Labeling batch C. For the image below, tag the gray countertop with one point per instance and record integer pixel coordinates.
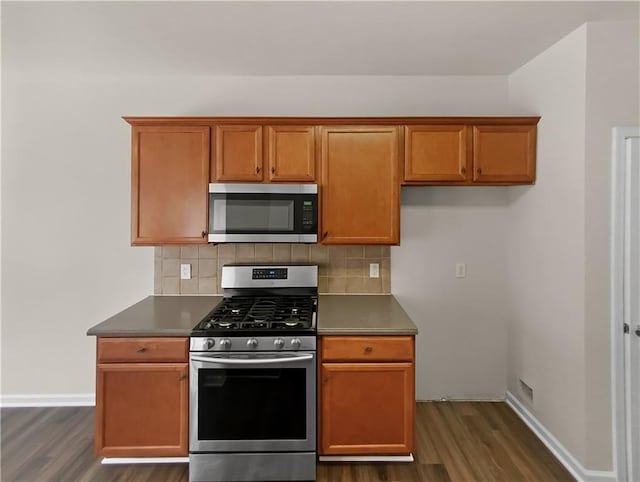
(337, 315)
(158, 316)
(363, 315)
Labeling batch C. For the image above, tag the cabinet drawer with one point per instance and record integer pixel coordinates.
(140, 350)
(367, 348)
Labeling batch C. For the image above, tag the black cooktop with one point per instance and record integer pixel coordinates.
(243, 315)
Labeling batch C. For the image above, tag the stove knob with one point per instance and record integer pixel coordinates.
(208, 343)
(252, 343)
(225, 343)
(296, 343)
(279, 343)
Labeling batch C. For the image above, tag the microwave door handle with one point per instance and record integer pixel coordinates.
(236, 361)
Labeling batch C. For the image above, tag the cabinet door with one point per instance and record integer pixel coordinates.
(291, 153)
(360, 190)
(142, 409)
(367, 408)
(436, 153)
(169, 184)
(238, 153)
(504, 154)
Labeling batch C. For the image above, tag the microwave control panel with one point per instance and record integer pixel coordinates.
(308, 215)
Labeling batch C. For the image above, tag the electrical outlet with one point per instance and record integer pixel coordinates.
(374, 270)
(185, 271)
(461, 270)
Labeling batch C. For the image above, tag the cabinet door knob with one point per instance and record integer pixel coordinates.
(479, 170)
(368, 349)
(257, 169)
(203, 234)
(273, 170)
(463, 170)
(325, 379)
(182, 377)
(637, 332)
(141, 350)
(325, 234)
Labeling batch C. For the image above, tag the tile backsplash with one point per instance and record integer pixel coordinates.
(341, 269)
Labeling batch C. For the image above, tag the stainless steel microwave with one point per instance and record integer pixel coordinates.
(263, 213)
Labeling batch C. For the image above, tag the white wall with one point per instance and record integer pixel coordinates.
(558, 258)
(67, 263)
(545, 244)
(461, 348)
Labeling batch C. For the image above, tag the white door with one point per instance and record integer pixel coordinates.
(632, 305)
(625, 301)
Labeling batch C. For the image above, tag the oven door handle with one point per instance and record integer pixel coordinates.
(237, 361)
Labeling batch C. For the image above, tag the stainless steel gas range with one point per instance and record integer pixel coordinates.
(253, 378)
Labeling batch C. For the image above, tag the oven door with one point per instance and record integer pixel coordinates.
(252, 402)
(263, 213)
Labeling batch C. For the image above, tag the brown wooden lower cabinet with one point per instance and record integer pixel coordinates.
(366, 407)
(142, 409)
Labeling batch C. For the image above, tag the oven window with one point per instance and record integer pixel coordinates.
(260, 215)
(252, 404)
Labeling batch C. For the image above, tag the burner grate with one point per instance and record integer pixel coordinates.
(261, 313)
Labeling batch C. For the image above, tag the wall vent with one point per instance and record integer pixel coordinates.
(527, 391)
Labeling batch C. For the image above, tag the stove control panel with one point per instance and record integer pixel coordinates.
(253, 343)
(269, 273)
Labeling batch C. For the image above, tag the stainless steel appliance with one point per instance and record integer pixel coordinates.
(252, 400)
(263, 213)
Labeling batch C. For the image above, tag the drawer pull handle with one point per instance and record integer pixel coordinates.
(141, 350)
(257, 169)
(368, 349)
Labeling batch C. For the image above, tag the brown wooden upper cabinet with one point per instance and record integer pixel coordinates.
(238, 153)
(291, 152)
(470, 154)
(436, 153)
(504, 153)
(169, 184)
(241, 149)
(360, 196)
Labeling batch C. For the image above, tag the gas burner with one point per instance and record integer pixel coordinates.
(223, 324)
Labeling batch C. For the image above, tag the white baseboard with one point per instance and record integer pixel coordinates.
(144, 460)
(52, 400)
(557, 449)
(366, 458)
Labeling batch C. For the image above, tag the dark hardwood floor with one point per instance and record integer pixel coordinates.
(455, 441)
